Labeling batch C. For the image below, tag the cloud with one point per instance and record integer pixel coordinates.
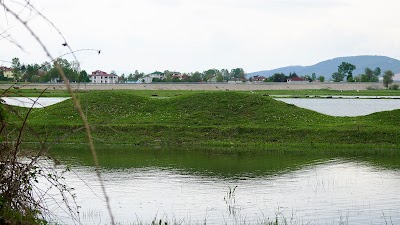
(191, 35)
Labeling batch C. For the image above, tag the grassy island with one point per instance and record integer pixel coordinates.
(213, 119)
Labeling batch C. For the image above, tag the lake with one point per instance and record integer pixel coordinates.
(192, 187)
(33, 102)
(187, 187)
(344, 106)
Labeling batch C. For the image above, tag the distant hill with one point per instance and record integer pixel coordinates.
(326, 68)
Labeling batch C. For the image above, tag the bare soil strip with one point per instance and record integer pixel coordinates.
(205, 86)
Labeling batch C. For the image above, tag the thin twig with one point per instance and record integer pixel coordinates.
(75, 100)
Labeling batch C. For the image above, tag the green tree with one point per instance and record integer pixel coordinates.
(368, 74)
(238, 73)
(387, 78)
(292, 75)
(377, 71)
(2, 77)
(321, 78)
(220, 78)
(344, 70)
(123, 78)
(278, 77)
(16, 67)
(211, 73)
(337, 77)
(307, 77)
(168, 76)
(31, 73)
(358, 78)
(54, 74)
(175, 79)
(196, 77)
(226, 75)
(137, 75)
(313, 76)
(83, 77)
(371, 75)
(130, 77)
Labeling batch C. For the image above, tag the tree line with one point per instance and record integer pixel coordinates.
(210, 75)
(46, 72)
(345, 72)
(281, 77)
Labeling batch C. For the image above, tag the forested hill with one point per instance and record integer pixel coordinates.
(326, 68)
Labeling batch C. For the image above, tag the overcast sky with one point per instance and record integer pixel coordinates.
(195, 35)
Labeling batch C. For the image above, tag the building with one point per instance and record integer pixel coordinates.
(147, 79)
(297, 80)
(101, 77)
(176, 75)
(8, 72)
(258, 78)
(157, 75)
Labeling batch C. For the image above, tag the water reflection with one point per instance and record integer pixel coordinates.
(192, 188)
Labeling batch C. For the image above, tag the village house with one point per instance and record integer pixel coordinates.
(150, 77)
(297, 80)
(258, 79)
(147, 79)
(176, 75)
(8, 72)
(157, 75)
(236, 81)
(101, 77)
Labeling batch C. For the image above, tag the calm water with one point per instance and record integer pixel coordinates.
(345, 106)
(33, 102)
(190, 188)
(300, 189)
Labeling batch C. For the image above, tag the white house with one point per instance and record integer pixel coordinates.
(8, 72)
(157, 75)
(100, 77)
(147, 79)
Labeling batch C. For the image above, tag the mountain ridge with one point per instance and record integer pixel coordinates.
(327, 67)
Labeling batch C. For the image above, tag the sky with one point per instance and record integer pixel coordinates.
(196, 35)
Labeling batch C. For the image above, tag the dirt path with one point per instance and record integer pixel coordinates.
(205, 86)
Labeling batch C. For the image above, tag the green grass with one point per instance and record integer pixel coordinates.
(19, 92)
(209, 119)
(297, 93)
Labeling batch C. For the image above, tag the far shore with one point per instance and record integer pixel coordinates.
(204, 86)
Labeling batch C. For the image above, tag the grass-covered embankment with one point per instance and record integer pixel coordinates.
(209, 119)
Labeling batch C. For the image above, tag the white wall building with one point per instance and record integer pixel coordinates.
(100, 77)
(8, 72)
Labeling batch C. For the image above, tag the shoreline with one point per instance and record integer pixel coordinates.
(204, 86)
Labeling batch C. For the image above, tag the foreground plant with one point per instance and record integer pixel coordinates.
(25, 183)
(25, 5)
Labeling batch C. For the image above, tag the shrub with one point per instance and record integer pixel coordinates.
(394, 86)
(371, 88)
